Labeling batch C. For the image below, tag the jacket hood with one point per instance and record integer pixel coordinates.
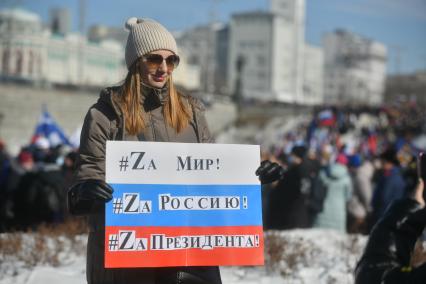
(336, 171)
(106, 96)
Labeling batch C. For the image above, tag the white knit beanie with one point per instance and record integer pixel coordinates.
(145, 36)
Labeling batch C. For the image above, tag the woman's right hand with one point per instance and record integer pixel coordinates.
(85, 197)
(95, 190)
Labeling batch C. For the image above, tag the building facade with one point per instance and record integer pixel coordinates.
(30, 53)
(187, 75)
(22, 48)
(402, 88)
(313, 75)
(60, 21)
(354, 69)
(266, 52)
(205, 48)
(99, 33)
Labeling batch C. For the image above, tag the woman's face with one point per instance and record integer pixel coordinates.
(157, 66)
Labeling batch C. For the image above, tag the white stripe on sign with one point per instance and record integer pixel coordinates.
(133, 162)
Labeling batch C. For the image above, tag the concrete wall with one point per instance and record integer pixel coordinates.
(21, 106)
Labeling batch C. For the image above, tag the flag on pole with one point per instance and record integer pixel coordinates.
(326, 118)
(50, 130)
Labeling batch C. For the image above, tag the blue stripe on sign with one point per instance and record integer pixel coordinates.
(220, 198)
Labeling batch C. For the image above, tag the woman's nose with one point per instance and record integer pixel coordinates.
(163, 66)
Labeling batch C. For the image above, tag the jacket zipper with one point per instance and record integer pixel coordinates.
(154, 137)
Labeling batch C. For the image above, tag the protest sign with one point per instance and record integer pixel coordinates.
(182, 204)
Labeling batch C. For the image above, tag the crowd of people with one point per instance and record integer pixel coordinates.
(340, 171)
(343, 168)
(329, 181)
(332, 172)
(33, 184)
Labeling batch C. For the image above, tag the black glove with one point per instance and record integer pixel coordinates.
(88, 197)
(269, 172)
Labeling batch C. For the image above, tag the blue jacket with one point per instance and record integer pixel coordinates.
(390, 187)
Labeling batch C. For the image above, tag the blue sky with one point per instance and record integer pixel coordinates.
(396, 23)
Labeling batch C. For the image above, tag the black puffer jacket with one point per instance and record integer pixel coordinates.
(387, 256)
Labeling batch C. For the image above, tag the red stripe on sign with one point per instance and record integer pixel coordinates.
(183, 246)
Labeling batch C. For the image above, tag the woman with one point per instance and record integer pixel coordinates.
(335, 178)
(146, 107)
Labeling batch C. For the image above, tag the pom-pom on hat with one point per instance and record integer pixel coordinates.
(145, 36)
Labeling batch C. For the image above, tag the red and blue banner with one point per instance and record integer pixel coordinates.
(179, 204)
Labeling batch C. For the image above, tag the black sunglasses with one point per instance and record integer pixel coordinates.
(155, 60)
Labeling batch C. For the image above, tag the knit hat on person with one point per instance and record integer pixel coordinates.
(25, 157)
(145, 36)
(342, 159)
(390, 155)
(299, 151)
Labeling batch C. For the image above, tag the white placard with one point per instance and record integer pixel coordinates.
(130, 162)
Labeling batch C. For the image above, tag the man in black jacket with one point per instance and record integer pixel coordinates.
(387, 256)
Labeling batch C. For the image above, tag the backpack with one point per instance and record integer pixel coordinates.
(317, 195)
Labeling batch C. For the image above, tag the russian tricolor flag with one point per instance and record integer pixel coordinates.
(49, 129)
(326, 118)
(180, 204)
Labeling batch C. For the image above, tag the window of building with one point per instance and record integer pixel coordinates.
(5, 63)
(31, 63)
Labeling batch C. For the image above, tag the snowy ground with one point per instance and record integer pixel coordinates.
(299, 256)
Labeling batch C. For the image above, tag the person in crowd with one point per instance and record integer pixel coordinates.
(33, 193)
(67, 172)
(41, 150)
(365, 182)
(26, 161)
(68, 168)
(268, 188)
(390, 184)
(5, 168)
(17, 168)
(359, 205)
(335, 178)
(387, 256)
(146, 107)
(288, 200)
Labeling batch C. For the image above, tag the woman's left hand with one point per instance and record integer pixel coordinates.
(269, 172)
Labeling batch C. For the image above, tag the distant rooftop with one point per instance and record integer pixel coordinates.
(20, 14)
(251, 14)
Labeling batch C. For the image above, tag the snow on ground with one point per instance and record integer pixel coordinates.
(297, 256)
(313, 256)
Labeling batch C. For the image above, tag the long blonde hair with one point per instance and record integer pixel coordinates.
(177, 114)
